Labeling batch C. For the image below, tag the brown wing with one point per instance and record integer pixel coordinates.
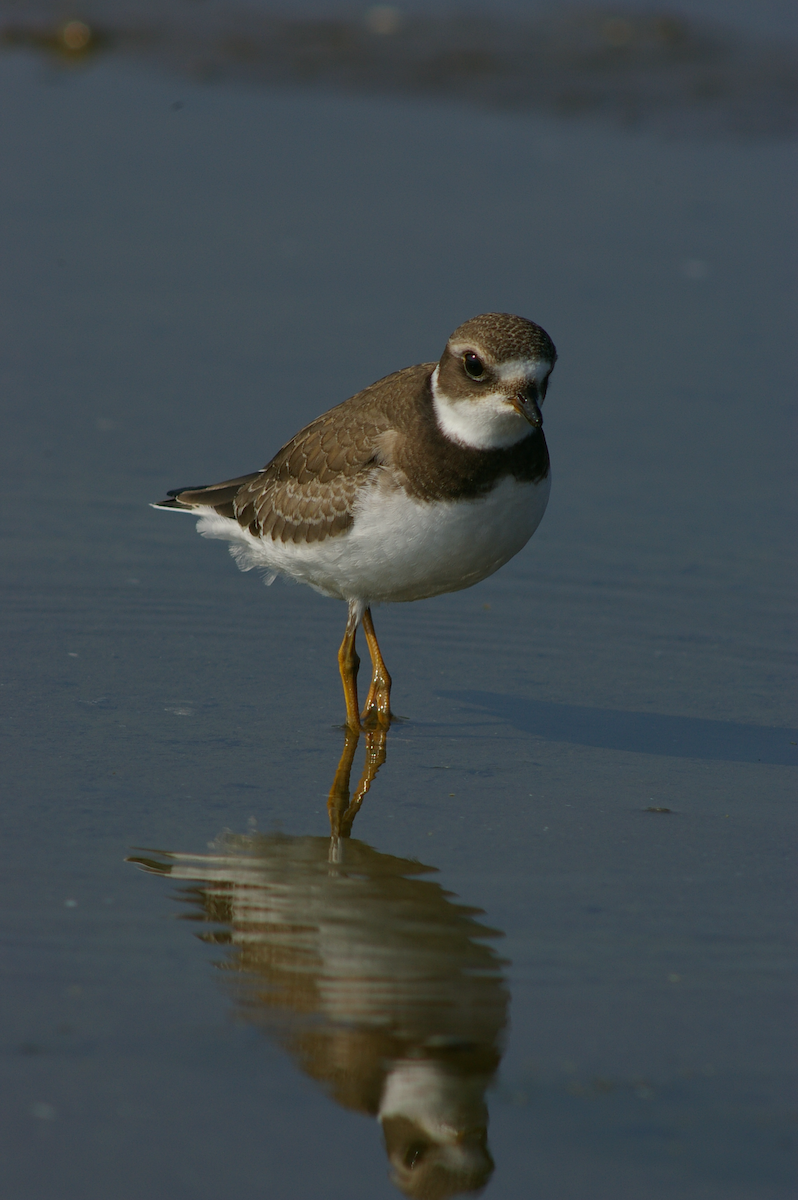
(307, 492)
(218, 495)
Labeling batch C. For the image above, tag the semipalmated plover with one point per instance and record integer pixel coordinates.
(425, 482)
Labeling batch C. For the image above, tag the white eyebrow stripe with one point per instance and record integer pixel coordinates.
(526, 369)
(523, 368)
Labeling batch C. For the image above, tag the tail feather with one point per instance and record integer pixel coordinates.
(218, 496)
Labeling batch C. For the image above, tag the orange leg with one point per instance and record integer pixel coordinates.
(377, 710)
(348, 664)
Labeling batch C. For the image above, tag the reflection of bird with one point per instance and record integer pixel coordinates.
(426, 482)
(377, 982)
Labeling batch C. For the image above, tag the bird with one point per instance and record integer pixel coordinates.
(425, 482)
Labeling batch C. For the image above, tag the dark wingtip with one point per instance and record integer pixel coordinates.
(215, 495)
(176, 491)
(173, 499)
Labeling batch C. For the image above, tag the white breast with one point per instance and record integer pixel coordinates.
(398, 548)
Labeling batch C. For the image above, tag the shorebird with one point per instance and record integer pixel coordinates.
(425, 482)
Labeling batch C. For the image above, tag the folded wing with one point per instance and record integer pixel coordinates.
(307, 492)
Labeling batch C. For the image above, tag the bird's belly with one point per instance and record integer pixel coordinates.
(401, 549)
(406, 549)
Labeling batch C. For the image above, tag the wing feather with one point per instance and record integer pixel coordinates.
(308, 491)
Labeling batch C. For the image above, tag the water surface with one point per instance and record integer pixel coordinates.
(599, 754)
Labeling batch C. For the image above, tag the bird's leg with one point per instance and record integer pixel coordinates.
(348, 663)
(377, 710)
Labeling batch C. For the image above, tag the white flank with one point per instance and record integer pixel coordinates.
(399, 549)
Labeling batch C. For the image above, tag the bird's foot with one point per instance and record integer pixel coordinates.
(377, 713)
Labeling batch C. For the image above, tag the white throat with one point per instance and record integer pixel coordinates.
(488, 423)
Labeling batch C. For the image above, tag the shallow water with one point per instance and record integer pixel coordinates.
(566, 894)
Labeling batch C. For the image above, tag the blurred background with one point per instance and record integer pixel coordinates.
(552, 960)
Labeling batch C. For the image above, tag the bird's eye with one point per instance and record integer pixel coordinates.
(474, 365)
(414, 1153)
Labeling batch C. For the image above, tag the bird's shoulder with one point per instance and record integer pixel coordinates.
(349, 437)
(308, 490)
